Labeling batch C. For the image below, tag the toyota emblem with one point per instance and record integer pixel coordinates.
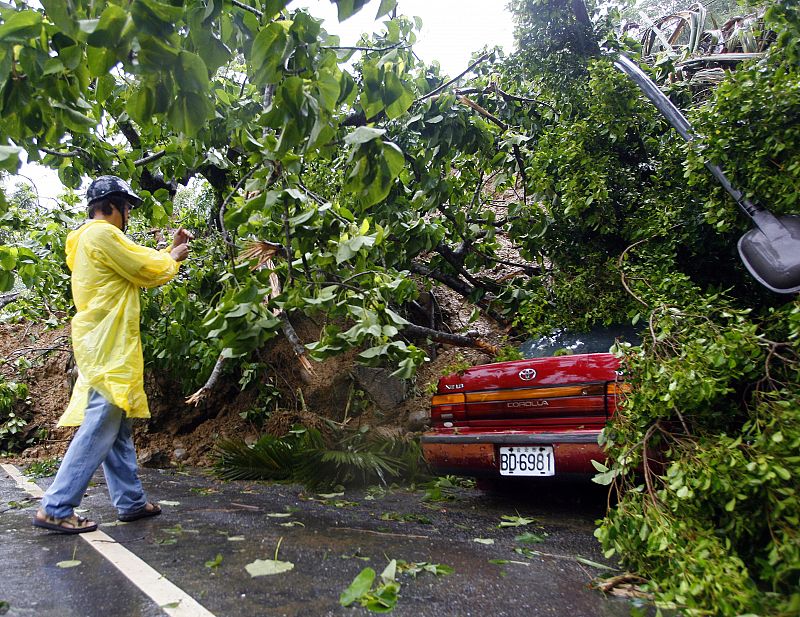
(527, 374)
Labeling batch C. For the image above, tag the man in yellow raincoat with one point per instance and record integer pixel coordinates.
(108, 269)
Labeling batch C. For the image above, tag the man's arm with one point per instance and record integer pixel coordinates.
(142, 266)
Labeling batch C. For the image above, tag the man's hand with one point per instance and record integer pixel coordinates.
(180, 252)
(182, 236)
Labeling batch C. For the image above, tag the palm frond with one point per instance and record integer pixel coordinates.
(304, 456)
(270, 458)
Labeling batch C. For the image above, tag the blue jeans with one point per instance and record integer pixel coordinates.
(103, 438)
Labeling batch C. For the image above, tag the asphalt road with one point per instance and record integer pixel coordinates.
(211, 530)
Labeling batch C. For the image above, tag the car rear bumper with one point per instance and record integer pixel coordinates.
(477, 454)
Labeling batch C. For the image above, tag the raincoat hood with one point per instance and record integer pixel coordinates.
(108, 270)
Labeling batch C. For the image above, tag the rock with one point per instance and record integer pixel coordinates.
(180, 454)
(418, 420)
(154, 458)
(386, 391)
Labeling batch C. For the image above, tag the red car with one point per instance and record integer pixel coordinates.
(536, 417)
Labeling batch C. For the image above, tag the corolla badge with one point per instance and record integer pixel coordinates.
(527, 374)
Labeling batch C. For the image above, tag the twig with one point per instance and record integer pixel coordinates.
(646, 465)
(77, 152)
(380, 533)
(470, 103)
(452, 81)
(510, 97)
(622, 273)
(224, 206)
(149, 159)
(357, 48)
(247, 7)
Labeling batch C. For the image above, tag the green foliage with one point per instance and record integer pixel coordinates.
(304, 456)
(765, 158)
(508, 353)
(719, 398)
(381, 595)
(632, 227)
(32, 256)
(12, 419)
(43, 469)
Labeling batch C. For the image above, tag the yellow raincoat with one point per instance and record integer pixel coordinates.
(107, 271)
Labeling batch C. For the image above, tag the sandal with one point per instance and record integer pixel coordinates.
(70, 524)
(148, 509)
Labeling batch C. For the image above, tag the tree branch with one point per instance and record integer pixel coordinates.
(77, 152)
(452, 81)
(470, 103)
(469, 340)
(247, 7)
(149, 159)
(210, 385)
(8, 299)
(459, 287)
(356, 48)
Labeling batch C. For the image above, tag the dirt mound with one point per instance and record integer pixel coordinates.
(181, 434)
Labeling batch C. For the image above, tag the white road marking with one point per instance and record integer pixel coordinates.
(172, 599)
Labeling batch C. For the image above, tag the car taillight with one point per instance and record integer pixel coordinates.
(614, 390)
(617, 387)
(447, 407)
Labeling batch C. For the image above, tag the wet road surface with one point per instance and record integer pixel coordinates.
(329, 539)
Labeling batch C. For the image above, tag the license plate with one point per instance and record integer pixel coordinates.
(527, 461)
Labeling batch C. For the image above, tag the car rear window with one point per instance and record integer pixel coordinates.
(599, 340)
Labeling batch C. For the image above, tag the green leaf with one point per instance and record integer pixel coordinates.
(141, 104)
(74, 119)
(363, 134)
(394, 159)
(52, 66)
(270, 48)
(69, 563)
(214, 563)
(361, 584)
(397, 98)
(8, 257)
(386, 7)
(6, 280)
(100, 60)
(389, 572)
(157, 54)
(347, 8)
(515, 521)
(191, 73)
(71, 56)
(268, 567)
(155, 18)
(9, 158)
(20, 27)
(189, 112)
(58, 12)
(109, 28)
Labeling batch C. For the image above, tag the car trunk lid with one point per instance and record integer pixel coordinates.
(563, 392)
